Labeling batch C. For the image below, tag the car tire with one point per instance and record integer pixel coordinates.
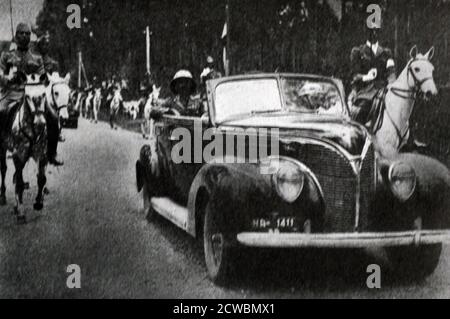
(413, 263)
(220, 255)
(148, 208)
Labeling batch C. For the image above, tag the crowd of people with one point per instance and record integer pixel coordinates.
(113, 96)
(373, 68)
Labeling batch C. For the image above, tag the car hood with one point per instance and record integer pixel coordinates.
(336, 130)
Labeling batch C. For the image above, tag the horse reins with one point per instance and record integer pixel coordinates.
(417, 83)
(52, 93)
(40, 112)
(412, 96)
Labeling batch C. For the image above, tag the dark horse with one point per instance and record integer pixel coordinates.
(28, 137)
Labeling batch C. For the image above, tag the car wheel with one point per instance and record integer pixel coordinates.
(148, 209)
(413, 263)
(218, 249)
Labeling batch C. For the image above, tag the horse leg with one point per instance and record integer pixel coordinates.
(111, 119)
(41, 180)
(96, 114)
(20, 187)
(3, 169)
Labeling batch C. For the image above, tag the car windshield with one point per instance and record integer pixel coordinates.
(253, 96)
(307, 96)
(235, 99)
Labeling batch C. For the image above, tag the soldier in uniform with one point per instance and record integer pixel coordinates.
(53, 127)
(209, 72)
(373, 68)
(14, 66)
(183, 87)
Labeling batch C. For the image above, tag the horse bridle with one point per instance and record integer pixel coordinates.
(52, 93)
(34, 113)
(411, 95)
(38, 112)
(417, 83)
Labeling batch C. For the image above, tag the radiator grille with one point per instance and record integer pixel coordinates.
(367, 188)
(340, 185)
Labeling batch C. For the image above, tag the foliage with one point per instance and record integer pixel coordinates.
(266, 35)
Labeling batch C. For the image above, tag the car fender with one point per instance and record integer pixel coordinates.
(231, 187)
(432, 194)
(143, 167)
(220, 183)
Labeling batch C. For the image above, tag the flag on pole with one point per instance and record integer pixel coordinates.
(226, 64)
(225, 31)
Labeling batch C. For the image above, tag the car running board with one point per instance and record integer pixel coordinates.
(170, 210)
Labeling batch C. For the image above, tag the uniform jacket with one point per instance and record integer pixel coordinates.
(175, 106)
(363, 59)
(24, 61)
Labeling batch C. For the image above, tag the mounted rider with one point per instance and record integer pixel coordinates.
(183, 103)
(14, 66)
(373, 68)
(51, 115)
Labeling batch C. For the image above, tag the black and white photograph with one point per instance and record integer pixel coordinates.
(240, 150)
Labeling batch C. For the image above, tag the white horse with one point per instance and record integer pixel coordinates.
(96, 104)
(28, 137)
(153, 100)
(88, 105)
(131, 108)
(392, 128)
(114, 107)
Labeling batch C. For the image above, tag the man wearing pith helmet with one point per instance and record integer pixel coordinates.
(43, 48)
(51, 116)
(183, 87)
(14, 66)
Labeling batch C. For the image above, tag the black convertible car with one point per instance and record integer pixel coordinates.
(294, 172)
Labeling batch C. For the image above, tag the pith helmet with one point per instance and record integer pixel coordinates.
(23, 27)
(183, 75)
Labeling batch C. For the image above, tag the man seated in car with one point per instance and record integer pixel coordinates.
(183, 103)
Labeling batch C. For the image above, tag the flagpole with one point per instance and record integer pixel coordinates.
(228, 46)
(79, 70)
(11, 18)
(148, 48)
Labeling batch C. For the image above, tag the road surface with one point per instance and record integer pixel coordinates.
(93, 218)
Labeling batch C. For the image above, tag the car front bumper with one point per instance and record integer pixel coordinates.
(350, 240)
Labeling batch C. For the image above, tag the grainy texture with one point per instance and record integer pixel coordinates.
(93, 218)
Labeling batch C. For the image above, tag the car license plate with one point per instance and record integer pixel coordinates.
(279, 223)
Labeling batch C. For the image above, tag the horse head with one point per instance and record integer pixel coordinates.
(420, 73)
(34, 98)
(58, 93)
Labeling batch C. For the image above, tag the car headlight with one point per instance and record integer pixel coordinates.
(402, 179)
(288, 179)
